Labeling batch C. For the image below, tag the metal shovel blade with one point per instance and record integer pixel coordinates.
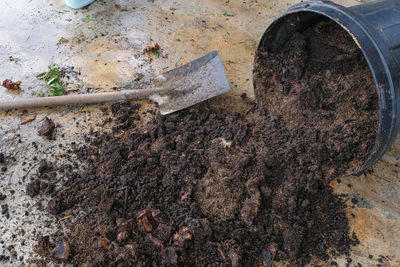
(191, 83)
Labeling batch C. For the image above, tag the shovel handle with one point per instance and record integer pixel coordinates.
(77, 99)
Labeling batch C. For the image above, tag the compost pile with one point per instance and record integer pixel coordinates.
(208, 186)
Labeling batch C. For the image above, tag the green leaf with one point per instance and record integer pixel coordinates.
(87, 18)
(41, 76)
(54, 80)
(40, 93)
(58, 90)
(226, 14)
(155, 52)
(53, 73)
(227, 2)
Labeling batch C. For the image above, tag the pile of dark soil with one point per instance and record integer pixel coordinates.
(206, 186)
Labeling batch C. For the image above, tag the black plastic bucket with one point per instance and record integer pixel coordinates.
(375, 27)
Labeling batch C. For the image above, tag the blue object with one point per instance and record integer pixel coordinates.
(76, 4)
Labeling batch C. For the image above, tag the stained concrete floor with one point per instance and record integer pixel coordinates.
(107, 51)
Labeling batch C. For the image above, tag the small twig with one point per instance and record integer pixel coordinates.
(176, 64)
(182, 215)
(209, 204)
(122, 188)
(54, 169)
(30, 169)
(66, 217)
(30, 207)
(13, 154)
(125, 200)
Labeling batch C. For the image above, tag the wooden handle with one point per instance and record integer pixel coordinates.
(77, 99)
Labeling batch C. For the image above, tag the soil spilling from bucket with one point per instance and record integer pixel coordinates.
(321, 88)
(208, 186)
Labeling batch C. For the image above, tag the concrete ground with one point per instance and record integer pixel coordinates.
(105, 50)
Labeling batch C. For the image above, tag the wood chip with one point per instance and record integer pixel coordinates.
(26, 119)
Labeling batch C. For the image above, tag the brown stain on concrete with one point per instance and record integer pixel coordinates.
(99, 66)
(375, 218)
(378, 235)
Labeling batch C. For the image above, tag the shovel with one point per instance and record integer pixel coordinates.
(173, 90)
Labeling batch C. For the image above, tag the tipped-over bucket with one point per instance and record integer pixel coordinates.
(375, 27)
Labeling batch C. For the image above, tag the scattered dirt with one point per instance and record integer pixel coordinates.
(152, 50)
(5, 210)
(208, 186)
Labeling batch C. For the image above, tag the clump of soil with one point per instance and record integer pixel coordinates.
(208, 186)
(47, 127)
